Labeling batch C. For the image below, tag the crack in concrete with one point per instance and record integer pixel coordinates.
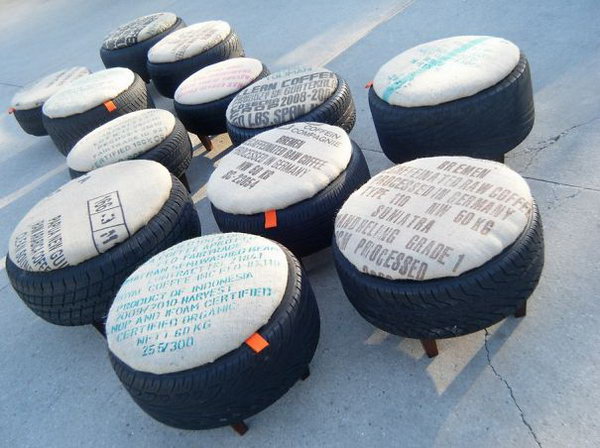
(561, 184)
(372, 150)
(544, 144)
(510, 391)
(7, 84)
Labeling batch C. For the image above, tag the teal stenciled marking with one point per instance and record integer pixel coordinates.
(397, 84)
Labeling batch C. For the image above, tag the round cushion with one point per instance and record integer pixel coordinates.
(218, 81)
(281, 97)
(432, 218)
(445, 70)
(189, 41)
(196, 302)
(35, 94)
(139, 30)
(123, 138)
(88, 92)
(89, 215)
(279, 167)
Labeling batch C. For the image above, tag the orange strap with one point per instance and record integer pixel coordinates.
(257, 343)
(270, 219)
(110, 106)
(11, 110)
(369, 85)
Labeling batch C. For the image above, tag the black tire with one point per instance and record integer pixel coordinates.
(307, 226)
(30, 121)
(136, 56)
(65, 132)
(174, 152)
(196, 399)
(209, 118)
(82, 294)
(453, 306)
(485, 125)
(167, 76)
(338, 110)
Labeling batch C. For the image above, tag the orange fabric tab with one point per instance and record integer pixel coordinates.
(270, 219)
(369, 85)
(110, 106)
(11, 110)
(257, 343)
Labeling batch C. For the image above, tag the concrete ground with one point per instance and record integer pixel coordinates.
(522, 383)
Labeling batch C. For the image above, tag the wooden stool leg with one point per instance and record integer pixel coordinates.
(206, 142)
(101, 327)
(430, 347)
(306, 374)
(522, 310)
(185, 182)
(241, 428)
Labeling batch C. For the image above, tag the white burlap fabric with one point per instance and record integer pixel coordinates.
(433, 217)
(196, 302)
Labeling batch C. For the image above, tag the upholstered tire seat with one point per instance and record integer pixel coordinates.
(150, 134)
(71, 253)
(466, 95)
(201, 100)
(89, 102)
(28, 101)
(213, 330)
(184, 52)
(128, 45)
(287, 184)
(294, 95)
(439, 247)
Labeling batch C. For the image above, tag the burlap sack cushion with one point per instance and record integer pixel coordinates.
(35, 94)
(433, 218)
(189, 41)
(123, 138)
(281, 97)
(89, 215)
(218, 81)
(88, 92)
(279, 167)
(196, 301)
(445, 70)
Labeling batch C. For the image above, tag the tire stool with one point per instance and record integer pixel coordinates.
(287, 184)
(184, 52)
(201, 100)
(439, 247)
(150, 134)
(128, 45)
(289, 96)
(465, 95)
(89, 102)
(70, 254)
(28, 101)
(213, 330)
